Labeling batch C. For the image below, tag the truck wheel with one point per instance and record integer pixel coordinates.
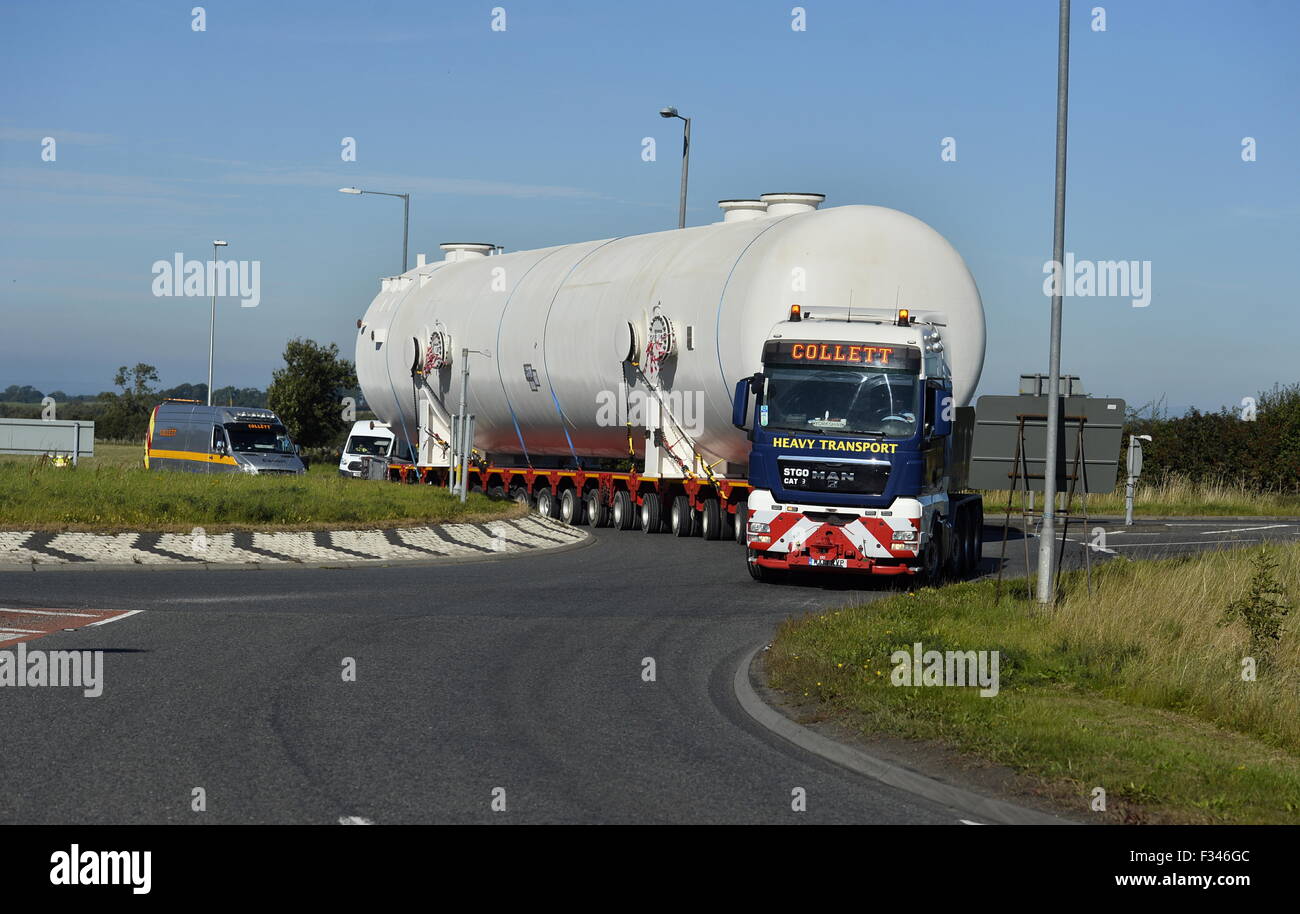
(683, 518)
(955, 540)
(547, 506)
(651, 514)
(520, 495)
(932, 556)
(597, 510)
(711, 520)
(741, 523)
(977, 538)
(624, 510)
(759, 573)
(571, 508)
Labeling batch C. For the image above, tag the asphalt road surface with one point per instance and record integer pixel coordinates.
(519, 680)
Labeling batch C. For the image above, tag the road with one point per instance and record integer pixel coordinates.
(519, 679)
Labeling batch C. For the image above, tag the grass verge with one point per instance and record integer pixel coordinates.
(1137, 690)
(1178, 496)
(113, 493)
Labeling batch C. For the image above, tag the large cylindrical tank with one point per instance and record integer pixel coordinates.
(555, 326)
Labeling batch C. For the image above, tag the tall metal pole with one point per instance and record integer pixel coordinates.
(1047, 534)
(686, 168)
(461, 459)
(212, 317)
(406, 226)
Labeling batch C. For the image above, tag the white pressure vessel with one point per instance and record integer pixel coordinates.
(553, 329)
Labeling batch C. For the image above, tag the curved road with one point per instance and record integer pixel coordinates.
(523, 674)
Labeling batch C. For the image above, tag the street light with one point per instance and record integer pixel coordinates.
(1047, 533)
(406, 213)
(686, 161)
(212, 318)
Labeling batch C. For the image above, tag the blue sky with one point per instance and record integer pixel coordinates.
(168, 138)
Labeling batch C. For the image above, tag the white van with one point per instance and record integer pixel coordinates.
(371, 439)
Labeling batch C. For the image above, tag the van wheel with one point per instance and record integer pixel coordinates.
(571, 508)
(597, 510)
(651, 519)
(683, 518)
(547, 505)
(711, 520)
(624, 514)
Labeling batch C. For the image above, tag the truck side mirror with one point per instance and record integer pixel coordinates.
(740, 404)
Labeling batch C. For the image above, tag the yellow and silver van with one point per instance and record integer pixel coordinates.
(185, 435)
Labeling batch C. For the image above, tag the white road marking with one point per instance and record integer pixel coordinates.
(49, 612)
(23, 631)
(1244, 529)
(354, 820)
(129, 612)
(969, 822)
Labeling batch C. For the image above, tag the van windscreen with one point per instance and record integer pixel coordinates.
(259, 438)
(369, 445)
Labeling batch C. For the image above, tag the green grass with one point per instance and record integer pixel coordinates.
(1136, 690)
(1179, 497)
(112, 492)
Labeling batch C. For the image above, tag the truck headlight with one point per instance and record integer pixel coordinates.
(904, 536)
(756, 527)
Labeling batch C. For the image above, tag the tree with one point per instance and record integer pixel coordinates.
(126, 413)
(306, 393)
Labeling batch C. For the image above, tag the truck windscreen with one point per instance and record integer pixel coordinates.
(259, 438)
(840, 400)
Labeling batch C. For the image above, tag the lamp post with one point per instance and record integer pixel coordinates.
(686, 161)
(406, 213)
(212, 318)
(1046, 553)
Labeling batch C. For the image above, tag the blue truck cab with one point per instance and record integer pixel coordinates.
(856, 461)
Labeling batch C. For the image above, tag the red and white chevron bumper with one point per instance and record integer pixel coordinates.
(879, 542)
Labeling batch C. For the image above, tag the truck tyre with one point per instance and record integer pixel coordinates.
(547, 505)
(520, 495)
(759, 573)
(624, 510)
(683, 517)
(651, 513)
(740, 523)
(711, 520)
(597, 510)
(571, 508)
(977, 537)
(955, 541)
(932, 556)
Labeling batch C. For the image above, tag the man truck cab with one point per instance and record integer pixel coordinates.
(853, 464)
(185, 435)
(371, 442)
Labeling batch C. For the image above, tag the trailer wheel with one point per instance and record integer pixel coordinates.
(571, 508)
(710, 520)
(519, 495)
(624, 513)
(597, 510)
(651, 513)
(496, 492)
(683, 517)
(547, 506)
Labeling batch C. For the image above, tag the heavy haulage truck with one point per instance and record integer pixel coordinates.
(791, 376)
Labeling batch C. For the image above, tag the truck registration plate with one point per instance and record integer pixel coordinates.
(829, 563)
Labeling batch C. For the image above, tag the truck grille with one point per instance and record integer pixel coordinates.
(833, 476)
